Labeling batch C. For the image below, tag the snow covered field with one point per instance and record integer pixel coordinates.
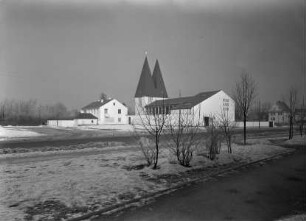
(16, 132)
(68, 187)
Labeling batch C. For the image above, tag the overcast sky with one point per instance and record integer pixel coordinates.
(71, 50)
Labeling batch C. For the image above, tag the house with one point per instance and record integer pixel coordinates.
(151, 98)
(108, 111)
(279, 113)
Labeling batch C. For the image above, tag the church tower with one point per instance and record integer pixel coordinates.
(158, 81)
(149, 88)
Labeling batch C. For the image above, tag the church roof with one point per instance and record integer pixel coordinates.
(158, 81)
(183, 102)
(145, 85)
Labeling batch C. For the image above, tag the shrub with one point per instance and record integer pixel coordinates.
(147, 149)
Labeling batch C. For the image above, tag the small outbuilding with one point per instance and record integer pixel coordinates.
(85, 119)
(80, 119)
(67, 122)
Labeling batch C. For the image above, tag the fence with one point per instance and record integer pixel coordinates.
(254, 124)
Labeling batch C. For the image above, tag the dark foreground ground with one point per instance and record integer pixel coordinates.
(261, 192)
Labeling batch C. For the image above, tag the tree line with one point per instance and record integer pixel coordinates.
(30, 112)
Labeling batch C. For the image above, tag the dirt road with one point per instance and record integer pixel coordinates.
(262, 192)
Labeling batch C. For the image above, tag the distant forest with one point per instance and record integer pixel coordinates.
(30, 113)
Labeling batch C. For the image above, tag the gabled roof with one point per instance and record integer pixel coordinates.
(85, 116)
(96, 104)
(207, 94)
(183, 102)
(145, 85)
(159, 82)
(280, 106)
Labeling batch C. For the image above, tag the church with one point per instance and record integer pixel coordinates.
(151, 98)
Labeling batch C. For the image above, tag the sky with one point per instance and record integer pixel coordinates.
(70, 51)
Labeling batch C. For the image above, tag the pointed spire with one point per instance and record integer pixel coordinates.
(160, 89)
(145, 85)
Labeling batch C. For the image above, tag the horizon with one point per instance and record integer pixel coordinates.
(71, 51)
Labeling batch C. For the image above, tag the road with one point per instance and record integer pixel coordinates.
(264, 192)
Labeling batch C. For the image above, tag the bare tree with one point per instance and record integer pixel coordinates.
(3, 108)
(292, 109)
(261, 111)
(153, 121)
(213, 141)
(147, 150)
(29, 112)
(302, 116)
(227, 125)
(103, 96)
(183, 134)
(244, 95)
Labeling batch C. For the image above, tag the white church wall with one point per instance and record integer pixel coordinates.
(141, 102)
(216, 104)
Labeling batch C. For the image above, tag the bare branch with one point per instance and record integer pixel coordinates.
(244, 95)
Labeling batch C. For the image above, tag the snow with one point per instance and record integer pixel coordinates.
(119, 127)
(19, 152)
(16, 132)
(297, 140)
(102, 179)
(299, 217)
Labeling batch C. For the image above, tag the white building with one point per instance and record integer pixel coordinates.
(109, 111)
(202, 107)
(151, 98)
(80, 119)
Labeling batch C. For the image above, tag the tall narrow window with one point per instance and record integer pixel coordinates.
(105, 111)
(119, 111)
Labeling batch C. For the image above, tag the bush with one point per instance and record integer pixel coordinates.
(147, 149)
(213, 142)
